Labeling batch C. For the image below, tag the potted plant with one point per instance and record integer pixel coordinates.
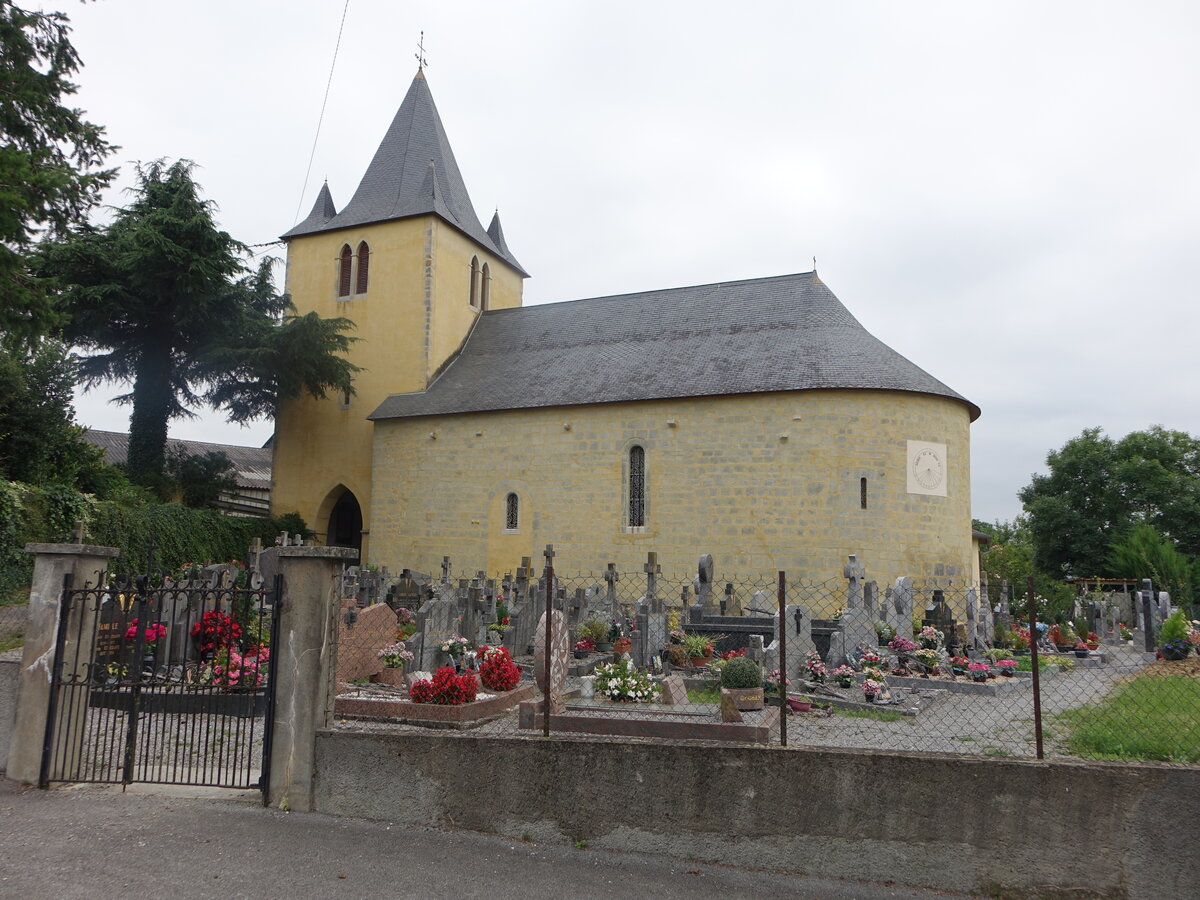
(872, 690)
(583, 647)
(1081, 650)
(979, 671)
(929, 637)
(1007, 667)
(928, 658)
(1093, 641)
(394, 657)
(744, 681)
(815, 666)
(497, 671)
(622, 645)
(1018, 639)
(1126, 634)
(446, 688)
(771, 685)
(884, 633)
(1174, 637)
(155, 631)
(455, 648)
(622, 682)
(698, 648)
(593, 630)
(843, 675)
(958, 665)
(901, 644)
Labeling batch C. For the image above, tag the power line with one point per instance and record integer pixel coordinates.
(321, 117)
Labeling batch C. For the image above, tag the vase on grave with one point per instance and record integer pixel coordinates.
(604, 646)
(393, 676)
(747, 699)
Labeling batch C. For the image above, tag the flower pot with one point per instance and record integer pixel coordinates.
(747, 698)
(699, 662)
(980, 676)
(391, 676)
(799, 705)
(1093, 645)
(1081, 654)
(581, 654)
(1174, 654)
(604, 647)
(1007, 673)
(844, 682)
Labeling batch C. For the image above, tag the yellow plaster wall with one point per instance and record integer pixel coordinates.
(721, 480)
(416, 312)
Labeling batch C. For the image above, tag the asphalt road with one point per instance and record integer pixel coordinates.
(95, 841)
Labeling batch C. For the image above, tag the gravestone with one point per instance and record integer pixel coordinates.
(761, 604)
(652, 570)
(674, 692)
(704, 593)
(654, 626)
(732, 604)
(858, 626)
(611, 577)
(596, 603)
(939, 615)
(799, 641)
(729, 710)
(440, 618)
(871, 600)
(552, 690)
(359, 643)
(900, 610)
(1162, 610)
(756, 649)
(973, 640)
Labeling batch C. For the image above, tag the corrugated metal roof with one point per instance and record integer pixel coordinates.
(787, 333)
(252, 465)
(413, 172)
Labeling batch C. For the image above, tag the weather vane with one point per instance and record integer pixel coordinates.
(422, 62)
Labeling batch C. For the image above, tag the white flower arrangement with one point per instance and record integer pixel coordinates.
(621, 681)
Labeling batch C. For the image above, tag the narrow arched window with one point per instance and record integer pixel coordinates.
(512, 512)
(364, 259)
(862, 492)
(637, 487)
(485, 288)
(474, 299)
(345, 264)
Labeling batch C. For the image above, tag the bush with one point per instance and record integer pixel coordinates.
(741, 672)
(1175, 628)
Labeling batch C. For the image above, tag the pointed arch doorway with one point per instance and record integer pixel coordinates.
(345, 524)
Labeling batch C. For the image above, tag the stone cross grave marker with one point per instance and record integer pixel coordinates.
(552, 691)
(799, 640)
(611, 577)
(871, 600)
(652, 570)
(445, 570)
(854, 574)
(973, 639)
(900, 610)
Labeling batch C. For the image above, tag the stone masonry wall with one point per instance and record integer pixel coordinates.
(722, 478)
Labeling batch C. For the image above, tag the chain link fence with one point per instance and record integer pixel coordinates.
(646, 656)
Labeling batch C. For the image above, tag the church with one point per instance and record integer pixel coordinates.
(755, 420)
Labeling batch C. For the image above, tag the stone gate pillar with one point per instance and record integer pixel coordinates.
(306, 660)
(86, 565)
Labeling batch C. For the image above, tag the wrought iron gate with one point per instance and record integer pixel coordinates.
(164, 680)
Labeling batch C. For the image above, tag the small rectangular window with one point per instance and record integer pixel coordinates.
(862, 492)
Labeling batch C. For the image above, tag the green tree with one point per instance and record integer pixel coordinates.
(162, 297)
(50, 156)
(39, 440)
(201, 478)
(1144, 553)
(1098, 489)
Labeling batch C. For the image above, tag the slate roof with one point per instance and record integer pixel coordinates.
(252, 465)
(413, 173)
(787, 333)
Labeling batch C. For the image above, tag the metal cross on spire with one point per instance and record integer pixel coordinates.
(422, 62)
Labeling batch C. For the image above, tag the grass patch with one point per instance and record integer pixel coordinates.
(704, 695)
(11, 642)
(1145, 719)
(879, 715)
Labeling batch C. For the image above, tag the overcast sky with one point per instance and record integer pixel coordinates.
(1006, 193)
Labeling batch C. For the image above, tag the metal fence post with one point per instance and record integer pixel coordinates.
(781, 686)
(546, 704)
(1033, 655)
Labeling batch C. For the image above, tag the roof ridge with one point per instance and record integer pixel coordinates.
(688, 287)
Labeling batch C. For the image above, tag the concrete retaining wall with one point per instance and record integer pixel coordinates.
(9, 670)
(1015, 828)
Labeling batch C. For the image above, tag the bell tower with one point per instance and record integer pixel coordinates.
(408, 262)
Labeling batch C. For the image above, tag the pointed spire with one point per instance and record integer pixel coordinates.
(323, 210)
(412, 173)
(496, 233)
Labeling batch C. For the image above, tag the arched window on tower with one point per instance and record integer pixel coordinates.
(474, 297)
(485, 288)
(345, 264)
(364, 258)
(637, 487)
(512, 513)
